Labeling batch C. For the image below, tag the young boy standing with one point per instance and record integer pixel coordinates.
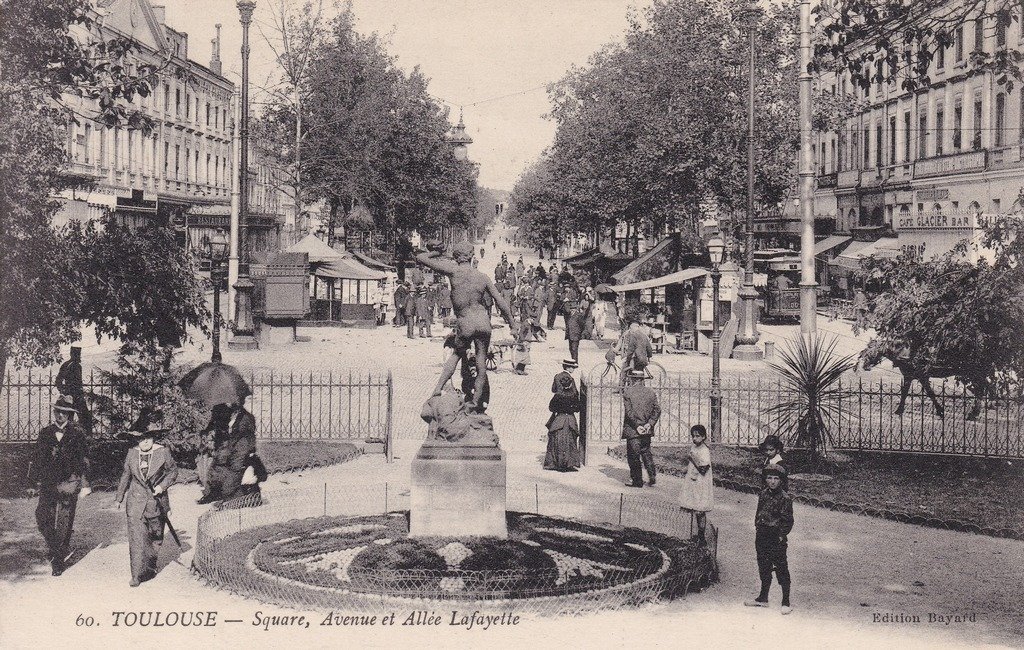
(773, 521)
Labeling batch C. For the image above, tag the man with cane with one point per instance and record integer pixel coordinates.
(58, 465)
(149, 470)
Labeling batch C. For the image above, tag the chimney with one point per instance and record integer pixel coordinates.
(160, 11)
(215, 62)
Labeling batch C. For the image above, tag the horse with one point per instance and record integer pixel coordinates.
(910, 372)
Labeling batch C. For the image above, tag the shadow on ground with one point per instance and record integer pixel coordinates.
(22, 549)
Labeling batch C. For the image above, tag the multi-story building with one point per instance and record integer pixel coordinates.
(185, 161)
(926, 165)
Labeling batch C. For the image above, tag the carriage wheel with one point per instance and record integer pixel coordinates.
(492, 363)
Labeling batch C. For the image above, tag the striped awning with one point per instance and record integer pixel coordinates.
(672, 278)
(829, 243)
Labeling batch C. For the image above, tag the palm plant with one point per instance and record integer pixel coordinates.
(811, 369)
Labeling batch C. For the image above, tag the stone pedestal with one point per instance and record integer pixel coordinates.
(277, 331)
(458, 491)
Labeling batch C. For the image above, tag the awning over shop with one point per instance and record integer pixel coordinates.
(580, 259)
(317, 249)
(850, 259)
(346, 268)
(372, 263)
(102, 199)
(672, 278)
(829, 243)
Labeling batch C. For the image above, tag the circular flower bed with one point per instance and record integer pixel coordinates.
(373, 558)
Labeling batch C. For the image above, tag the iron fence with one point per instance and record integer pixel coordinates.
(866, 415)
(292, 406)
(226, 540)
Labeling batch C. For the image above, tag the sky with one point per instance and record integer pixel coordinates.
(471, 50)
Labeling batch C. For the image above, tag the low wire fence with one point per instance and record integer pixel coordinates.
(226, 541)
(306, 406)
(867, 417)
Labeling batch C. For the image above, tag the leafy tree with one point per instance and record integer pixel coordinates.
(294, 37)
(153, 294)
(375, 138)
(652, 128)
(144, 382)
(536, 205)
(883, 40)
(950, 314)
(44, 66)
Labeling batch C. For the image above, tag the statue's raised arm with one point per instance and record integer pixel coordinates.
(432, 259)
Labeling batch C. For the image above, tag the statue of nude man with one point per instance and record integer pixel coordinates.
(472, 322)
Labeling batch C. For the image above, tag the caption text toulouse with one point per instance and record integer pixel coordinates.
(476, 619)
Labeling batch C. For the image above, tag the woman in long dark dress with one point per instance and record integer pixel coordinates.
(563, 429)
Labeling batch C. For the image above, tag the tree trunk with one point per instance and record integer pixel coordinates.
(299, 222)
(332, 219)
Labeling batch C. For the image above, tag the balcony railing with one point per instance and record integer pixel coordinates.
(952, 164)
(826, 180)
(871, 178)
(848, 178)
(1006, 156)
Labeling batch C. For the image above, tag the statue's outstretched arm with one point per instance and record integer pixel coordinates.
(433, 260)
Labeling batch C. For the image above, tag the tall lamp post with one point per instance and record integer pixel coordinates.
(716, 250)
(217, 249)
(747, 335)
(808, 284)
(244, 327)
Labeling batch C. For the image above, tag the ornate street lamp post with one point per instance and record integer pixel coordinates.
(716, 250)
(217, 249)
(244, 327)
(747, 335)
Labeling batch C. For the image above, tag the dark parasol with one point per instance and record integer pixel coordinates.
(215, 383)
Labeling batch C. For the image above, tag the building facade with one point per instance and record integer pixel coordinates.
(926, 166)
(185, 161)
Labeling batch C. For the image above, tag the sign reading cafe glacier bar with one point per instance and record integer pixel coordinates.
(934, 220)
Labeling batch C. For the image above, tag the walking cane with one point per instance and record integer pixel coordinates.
(164, 518)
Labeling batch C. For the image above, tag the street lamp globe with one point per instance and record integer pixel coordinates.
(460, 140)
(217, 245)
(716, 250)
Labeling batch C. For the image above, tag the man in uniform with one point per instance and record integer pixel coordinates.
(640, 411)
(401, 296)
(473, 323)
(69, 382)
(410, 313)
(424, 312)
(58, 465)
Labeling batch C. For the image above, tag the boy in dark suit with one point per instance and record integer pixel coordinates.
(773, 522)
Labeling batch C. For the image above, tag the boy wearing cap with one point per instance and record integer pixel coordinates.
(772, 450)
(773, 522)
(58, 466)
(148, 471)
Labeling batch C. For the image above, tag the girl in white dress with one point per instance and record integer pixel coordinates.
(698, 494)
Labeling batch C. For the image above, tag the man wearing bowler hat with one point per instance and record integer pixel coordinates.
(641, 411)
(148, 471)
(58, 466)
